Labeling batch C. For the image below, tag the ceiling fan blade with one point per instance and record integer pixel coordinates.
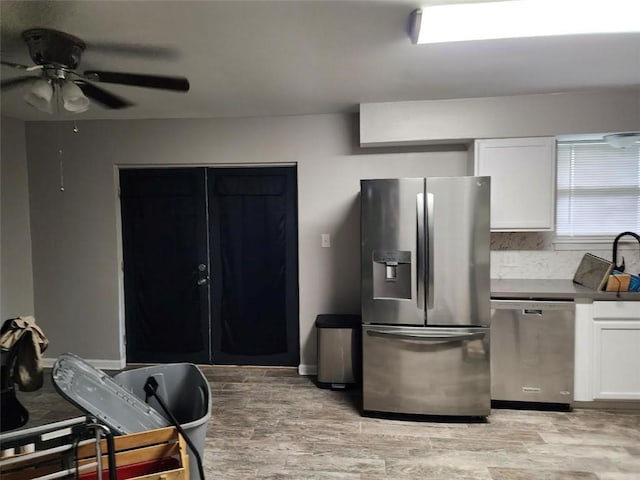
(138, 50)
(102, 96)
(15, 65)
(180, 84)
(14, 82)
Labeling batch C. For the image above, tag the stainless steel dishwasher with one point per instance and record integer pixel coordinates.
(532, 351)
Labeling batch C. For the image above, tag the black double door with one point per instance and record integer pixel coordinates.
(210, 265)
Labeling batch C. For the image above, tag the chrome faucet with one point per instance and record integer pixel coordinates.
(621, 267)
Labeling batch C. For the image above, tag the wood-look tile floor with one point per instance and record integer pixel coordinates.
(270, 423)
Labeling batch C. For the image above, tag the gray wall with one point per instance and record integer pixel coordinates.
(435, 121)
(76, 237)
(16, 276)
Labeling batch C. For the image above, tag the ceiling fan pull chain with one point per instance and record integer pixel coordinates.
(57, 93)
(61, 170)
(61, 158)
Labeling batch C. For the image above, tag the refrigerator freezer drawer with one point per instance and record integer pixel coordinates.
(426, 371)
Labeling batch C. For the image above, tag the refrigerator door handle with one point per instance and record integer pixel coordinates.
(420, 259)
(446, 338)
(430, 284)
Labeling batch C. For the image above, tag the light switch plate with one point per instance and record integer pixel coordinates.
(325, 240)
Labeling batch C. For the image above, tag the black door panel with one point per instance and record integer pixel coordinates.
(164, 242)
(254, 257)
(210, 265)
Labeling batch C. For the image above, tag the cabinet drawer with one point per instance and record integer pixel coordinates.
(616, 310)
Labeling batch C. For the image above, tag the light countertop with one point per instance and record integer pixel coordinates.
(552, 289)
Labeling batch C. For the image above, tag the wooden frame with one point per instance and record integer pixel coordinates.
(159, 454)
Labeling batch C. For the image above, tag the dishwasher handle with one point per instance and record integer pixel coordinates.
(446, 338)
(533, 307)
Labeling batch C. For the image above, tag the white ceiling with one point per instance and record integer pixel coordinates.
(254, 58)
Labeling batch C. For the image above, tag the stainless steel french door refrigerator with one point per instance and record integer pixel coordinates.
(425, 295)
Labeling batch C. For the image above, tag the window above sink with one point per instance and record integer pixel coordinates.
(598, 191)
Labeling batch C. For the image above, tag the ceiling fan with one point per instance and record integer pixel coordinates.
(56, 56)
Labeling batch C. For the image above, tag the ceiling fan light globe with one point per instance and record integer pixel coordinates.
(78, 106)
(40, 95)
(73, 100)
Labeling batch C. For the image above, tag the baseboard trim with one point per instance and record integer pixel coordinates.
(609, 404)
(97, 363)
(303, 369)
(307, 369)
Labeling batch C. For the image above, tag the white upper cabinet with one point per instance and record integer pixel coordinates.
(523, 182)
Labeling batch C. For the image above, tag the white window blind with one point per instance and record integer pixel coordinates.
(598, 191)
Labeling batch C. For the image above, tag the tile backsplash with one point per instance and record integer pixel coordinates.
(532, 255)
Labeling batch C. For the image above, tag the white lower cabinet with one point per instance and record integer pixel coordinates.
(607, 351)
(616, 350)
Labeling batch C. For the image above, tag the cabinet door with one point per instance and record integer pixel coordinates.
(523, 173)
(616, 343)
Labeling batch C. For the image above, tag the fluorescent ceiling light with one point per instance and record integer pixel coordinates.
(523, 18)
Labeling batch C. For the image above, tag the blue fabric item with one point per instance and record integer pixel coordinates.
(634, 283)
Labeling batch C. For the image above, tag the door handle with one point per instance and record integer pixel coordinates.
(429, 233)
(420, 250)
(442, 338)
(202, 273)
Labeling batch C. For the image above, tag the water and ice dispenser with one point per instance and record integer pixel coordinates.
(391, 274)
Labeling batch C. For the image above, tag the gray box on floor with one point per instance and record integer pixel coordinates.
(339, 347)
